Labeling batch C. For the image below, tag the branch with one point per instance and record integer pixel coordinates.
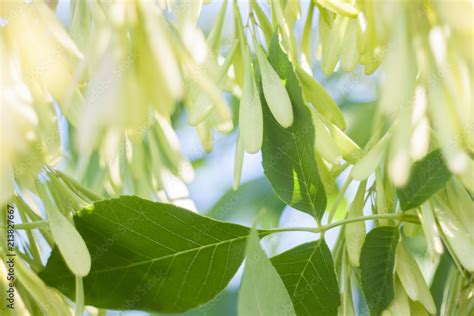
(321, 229)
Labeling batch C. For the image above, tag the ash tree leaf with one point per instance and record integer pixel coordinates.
(428, 176)
(310, 278)
(150, 256)
(262, 292)
(377, 261)
(288, 155)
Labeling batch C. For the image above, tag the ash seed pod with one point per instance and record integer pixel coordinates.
(250, 113)
(67, 238)
(355, 232)
(456, 234)
(238, 162)
(412, 279)
(333, 49)
(274, 91)
(366, 166)
(350, 52)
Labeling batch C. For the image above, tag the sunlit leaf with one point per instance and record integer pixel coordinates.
(158, 252)
(288, 153)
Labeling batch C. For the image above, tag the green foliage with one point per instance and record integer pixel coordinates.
(129, 76)
(428, 177)
(377, 264)
(288, 153)
(309, 276)
(150, 256)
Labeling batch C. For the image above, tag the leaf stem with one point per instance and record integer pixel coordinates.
(29, 225)
(79, 296)
(399, 216)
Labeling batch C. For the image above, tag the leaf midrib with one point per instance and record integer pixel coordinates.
(392, 245)
(152, 260)
(301, 276)
(416, 194)
(303, 173)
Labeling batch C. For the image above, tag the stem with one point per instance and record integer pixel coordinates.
(400, 217)
(35, 254)
(339, 198)
(79, 296)
(30, 225)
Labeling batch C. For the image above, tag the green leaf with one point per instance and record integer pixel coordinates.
(377, 262)
(150, 256)
(309, 276)
(427, 177)
(262, 291)
(288, 153)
